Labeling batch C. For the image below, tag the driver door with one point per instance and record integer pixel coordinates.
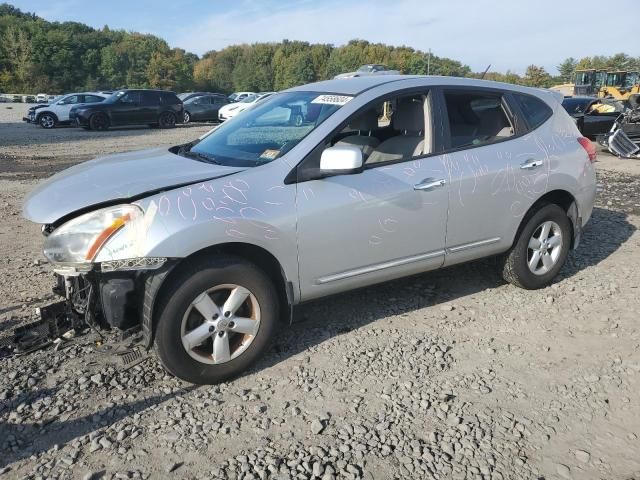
(376, 225)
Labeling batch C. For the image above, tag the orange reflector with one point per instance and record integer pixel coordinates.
(117, 224)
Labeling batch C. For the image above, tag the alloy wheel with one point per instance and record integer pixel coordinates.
(187, 117)
(545, 246)
(220, 324)
(47, 121)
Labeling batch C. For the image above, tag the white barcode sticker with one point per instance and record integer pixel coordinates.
(332, 99)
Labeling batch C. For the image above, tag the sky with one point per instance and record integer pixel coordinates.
(508, 34)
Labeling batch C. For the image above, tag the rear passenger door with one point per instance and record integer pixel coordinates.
(494, 169)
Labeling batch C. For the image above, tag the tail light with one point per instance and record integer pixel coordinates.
(589, 147)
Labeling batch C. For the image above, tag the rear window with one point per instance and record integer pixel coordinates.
(535, 111)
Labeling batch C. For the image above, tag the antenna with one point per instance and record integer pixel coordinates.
(485, 72)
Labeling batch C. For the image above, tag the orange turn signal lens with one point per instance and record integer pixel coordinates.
(105, 235)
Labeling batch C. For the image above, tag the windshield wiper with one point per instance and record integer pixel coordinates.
(199, 156)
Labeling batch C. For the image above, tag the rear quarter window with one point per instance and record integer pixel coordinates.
(169, 98)
(534, 110)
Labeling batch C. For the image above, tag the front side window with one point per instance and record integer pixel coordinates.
(476, 118)
(130, 98)
(268, 130)
(70, 100)
(535, 111)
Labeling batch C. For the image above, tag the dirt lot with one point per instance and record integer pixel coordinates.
(452, 374)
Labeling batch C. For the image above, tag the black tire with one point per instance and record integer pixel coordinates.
(47, 120)
(99, 121)
(167, 120)
(177, 298)
(514, 263)
(187, 117)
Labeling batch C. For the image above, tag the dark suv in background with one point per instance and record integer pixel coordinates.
(156, 108)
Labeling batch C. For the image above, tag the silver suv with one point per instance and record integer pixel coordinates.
(319, 189)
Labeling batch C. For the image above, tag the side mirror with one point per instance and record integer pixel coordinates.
(341, 160)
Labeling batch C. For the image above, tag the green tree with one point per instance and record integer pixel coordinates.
(566, 69)
(537, 77)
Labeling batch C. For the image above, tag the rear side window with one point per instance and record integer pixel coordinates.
(150, 98)
(169, 98)
(535, 111)
(476, 118)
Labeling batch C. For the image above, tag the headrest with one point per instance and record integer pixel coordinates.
(409, 115)
(366, 121)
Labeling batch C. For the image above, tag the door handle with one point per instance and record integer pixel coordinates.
(530, 164)
(429, 184)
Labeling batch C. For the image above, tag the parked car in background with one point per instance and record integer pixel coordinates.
(370, 69)
(156, 108)
(42, 98)
(593, 116)
(203, 108)
(52, 98)
(233, 109)
(237, 96)
(208, 245)
(187, 95)
(57, 113)
(28, 99)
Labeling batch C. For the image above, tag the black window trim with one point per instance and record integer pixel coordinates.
(292, 176)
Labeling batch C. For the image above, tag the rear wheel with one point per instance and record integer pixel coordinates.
(99, 121)
(167, 120)
(47, 120)
(540, 250)
(215, 320)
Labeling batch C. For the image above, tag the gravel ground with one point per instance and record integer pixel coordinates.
(451, 374)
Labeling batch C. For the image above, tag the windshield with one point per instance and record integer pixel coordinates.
(249, 99)
(182, 96)
(268, 130)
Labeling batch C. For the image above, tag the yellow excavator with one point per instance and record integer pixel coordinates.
(624, 86)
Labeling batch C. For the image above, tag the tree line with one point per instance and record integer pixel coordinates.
(56, 57)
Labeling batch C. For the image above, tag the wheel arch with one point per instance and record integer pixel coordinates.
(564, 200)
(156, 283)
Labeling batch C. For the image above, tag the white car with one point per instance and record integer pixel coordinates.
(238, 96)
(58, 112)
(42, 98)
(232, 109)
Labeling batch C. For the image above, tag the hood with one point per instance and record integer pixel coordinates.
(115, 178)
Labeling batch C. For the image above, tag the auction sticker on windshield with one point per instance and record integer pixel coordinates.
(269, 154)
(332, 99)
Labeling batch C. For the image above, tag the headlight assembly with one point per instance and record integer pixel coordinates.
(80, 240)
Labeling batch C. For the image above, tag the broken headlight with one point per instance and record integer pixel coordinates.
(79, 240)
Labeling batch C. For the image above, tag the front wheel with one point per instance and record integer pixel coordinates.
(47, 120)
(540, 250)
(99, 121)
(187, 117)
(215, 320)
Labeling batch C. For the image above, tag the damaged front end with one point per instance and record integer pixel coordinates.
(105, 281)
